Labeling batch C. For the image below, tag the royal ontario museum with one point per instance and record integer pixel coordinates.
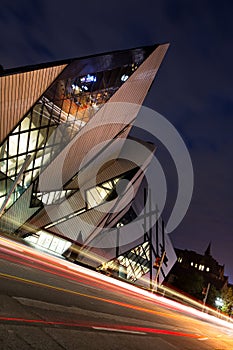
(70, 184)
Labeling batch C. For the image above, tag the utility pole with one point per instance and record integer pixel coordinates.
(150, 238)
(206, 295)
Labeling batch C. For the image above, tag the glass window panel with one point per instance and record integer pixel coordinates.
(3, 150)
(28, 178)
(3, 166)
(102, 192)
(36, 116)
(2, 200)
(30, 166)
(2, 186)
(9, 184)
(54, 243)
(33, 139)
(51, 134)
(61, 246)
(32, 239)
(35, 173)
(11, 167)
(41, 139)
(13, 144)
(16, 130)
(46, 157)
(45, 117)
(3, 192)
(18, 193)
(35, 120)
(45, 239)
(25, 125)
(46, 198)
(93, 198)
(38, 161)
(22, 143)
(21, 160)
(66, 246)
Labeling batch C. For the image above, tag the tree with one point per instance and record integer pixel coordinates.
(213, 294)
(191, 284)
(227, 297)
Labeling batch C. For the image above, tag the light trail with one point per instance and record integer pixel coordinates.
(122, 286)
(67, 274)
(86, 276)
(110, 301)
(104, 327)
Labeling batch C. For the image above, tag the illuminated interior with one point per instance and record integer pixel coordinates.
(47, 241)
(97, 195)
(69, 102)
(132, 265)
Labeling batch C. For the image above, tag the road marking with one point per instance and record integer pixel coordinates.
(202, 339)
(118, 330)
(110, 301)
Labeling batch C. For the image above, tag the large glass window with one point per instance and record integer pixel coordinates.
(70, 101)
(45, 240)
(134, 264)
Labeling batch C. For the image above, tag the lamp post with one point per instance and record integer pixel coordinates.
(219, 303)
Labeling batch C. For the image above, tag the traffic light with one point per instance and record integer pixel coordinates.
(157, 262)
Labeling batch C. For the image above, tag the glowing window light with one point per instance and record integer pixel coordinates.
(88, 79)
(124, 77)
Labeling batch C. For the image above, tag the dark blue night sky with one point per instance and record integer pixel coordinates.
(193, 88)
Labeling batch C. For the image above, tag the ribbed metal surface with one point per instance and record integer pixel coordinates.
(100, 165)
(39, 220)
(55, 212)
(108, 122)
(86, 223)
(18, 92)
(137, 86)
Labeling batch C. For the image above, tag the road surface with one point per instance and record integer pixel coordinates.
(49, 303)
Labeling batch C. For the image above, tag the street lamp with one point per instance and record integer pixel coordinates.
(219, 302)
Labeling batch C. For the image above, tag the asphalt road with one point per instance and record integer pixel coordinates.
(48, 303)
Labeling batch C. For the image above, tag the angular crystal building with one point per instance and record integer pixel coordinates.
(62, 140)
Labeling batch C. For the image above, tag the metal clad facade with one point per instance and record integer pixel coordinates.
(109, 121)
(18, 92)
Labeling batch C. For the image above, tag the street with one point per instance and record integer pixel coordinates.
(49, 303)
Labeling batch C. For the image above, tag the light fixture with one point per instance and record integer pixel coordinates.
(124, 77)
(219, 302)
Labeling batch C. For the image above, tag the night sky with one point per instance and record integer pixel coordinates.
(193, 88)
